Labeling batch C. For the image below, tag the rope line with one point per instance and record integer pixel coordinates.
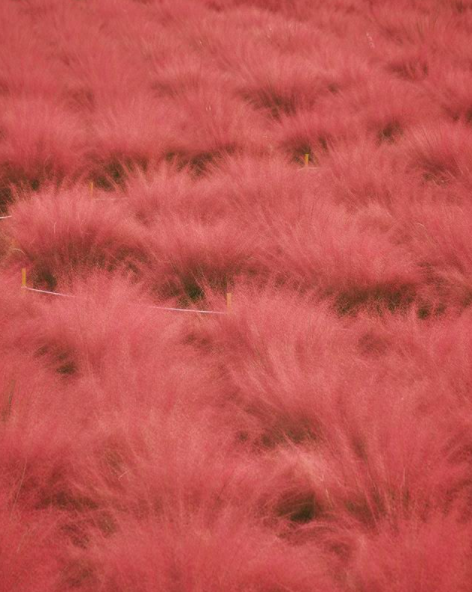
(154, 307)
(48, 292)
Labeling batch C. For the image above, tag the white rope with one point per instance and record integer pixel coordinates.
(48, 292)
(189, 310)
(154, 307)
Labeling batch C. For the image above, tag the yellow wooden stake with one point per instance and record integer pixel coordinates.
(229, 301)
(91, 188)
(307, 159)
(23, 277)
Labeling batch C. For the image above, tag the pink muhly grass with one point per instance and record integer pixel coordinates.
(311, 132)
(131, 132)
(66, 230)
(264, 185)
(417, 555)
(332, 266)
(208, 128)
(282, 87)
(41, 141)
(187, 254)
(440, 238)
(367, 174)
(204, 552)
(442, 153)
(28, 541)
(451, 86)
(316, 433)
(166, 191)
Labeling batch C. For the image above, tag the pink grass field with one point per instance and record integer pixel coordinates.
(317, 436)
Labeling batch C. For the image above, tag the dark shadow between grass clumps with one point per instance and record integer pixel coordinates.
(299, 152)
(200, 164)
(318, 146)
(427, 310)
(413, 71)
(389, 133)
(378, 300)
(299, 508)
(81, 99)
(114, 173)
(60, 360)
(44, 279)
(270, 102)
(14, 181)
